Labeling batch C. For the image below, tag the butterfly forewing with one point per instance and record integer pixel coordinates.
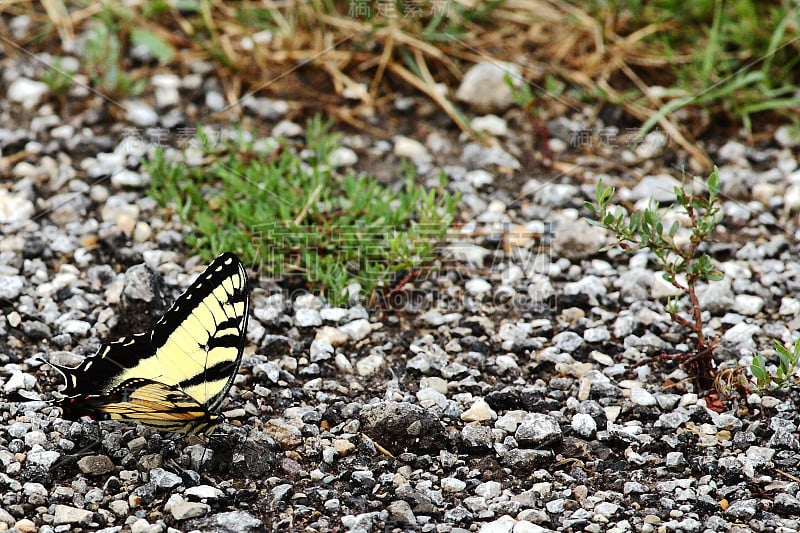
(207, 324)
(180, 372)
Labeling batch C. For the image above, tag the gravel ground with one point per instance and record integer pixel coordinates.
(515, 390)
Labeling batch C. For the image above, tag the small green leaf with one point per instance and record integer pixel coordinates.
(674, 228)
(158, 47)
(758, 368)
(635, 221)
(713, 183)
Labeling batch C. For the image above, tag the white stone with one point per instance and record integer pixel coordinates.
(287, 128)
(342, 157)
(429, 397)
(370, 364)
(185, 510)
(477, 286)
(141, 113)
(788, 135)
(661, 288)
(451, 484)
(660, 188)
(747, 304)
(600, 334)
(357, 329)
(27, 92)
(471, 253)
(64, 514)
(491, 124)
(742, 333)
(479, 178)
(305, 317)
(504, 524)
(639, 396)
(330, 335)
(525, 526)
(19, 381)
(489, 489)
(505, 363)
(484, 86)
(789, 306)
(583, 424)
(411, 149)
(14, 207)
(78, 328)
(791, 199)
(11, 287)
(205, 492)
(479, 411)
(129, 178)
(166, 90)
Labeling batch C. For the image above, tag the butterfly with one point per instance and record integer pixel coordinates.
(175, 377)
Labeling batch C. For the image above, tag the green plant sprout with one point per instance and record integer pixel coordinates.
(784, 374)
(646, 229)
(56, 78)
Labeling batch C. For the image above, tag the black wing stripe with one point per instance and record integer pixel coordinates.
(224, 341)
(213, 373)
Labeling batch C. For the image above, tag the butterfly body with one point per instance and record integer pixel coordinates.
(174, 377)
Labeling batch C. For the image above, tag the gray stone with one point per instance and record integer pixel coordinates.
(675, 459)
(716, 296)
(599, 334)
(748, 304)
(672, 420)
(401, 514)
(164, 479)
(477, 436)
(578, 240)
(64, 514)
(592, 286)
(11, 287)
(307, 318)
(96, 465)
(537, 428)
(357, 329)
(568, 341)
(660, 188)
(742, 509)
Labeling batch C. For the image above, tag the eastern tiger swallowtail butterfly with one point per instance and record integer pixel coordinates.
(175, 377)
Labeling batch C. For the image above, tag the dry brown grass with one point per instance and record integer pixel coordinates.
(317, 53)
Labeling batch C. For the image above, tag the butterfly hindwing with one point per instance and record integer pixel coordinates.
(145, 402)
(179, 373)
